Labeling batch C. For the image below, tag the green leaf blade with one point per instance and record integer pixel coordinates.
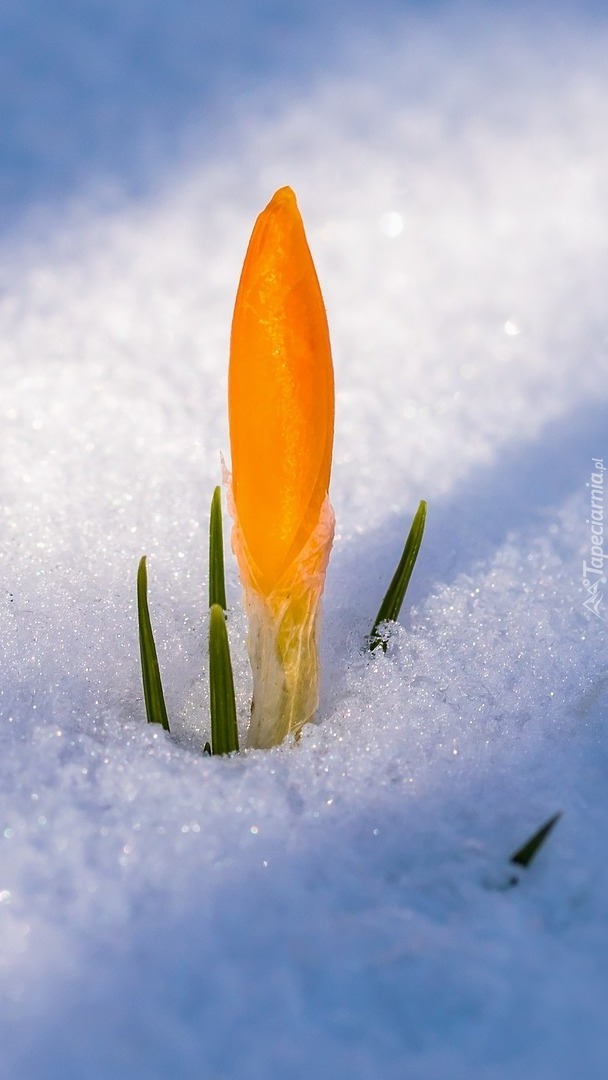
(217, 582)
(224, 732)
(528, 851)
(154, 698)
(395, 594)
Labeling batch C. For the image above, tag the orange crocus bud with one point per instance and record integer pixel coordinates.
(281, 408)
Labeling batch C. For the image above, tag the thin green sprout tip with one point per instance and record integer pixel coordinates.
(391, 605)
(217, 585)
(528, 851)
(224, 733)
(154, 698)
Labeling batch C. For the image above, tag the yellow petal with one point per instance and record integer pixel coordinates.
(280, 393)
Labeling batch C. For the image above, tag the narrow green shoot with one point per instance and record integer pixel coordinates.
(224, 734)
(217, 583)
(150, 672)
(391, 605)
(528, 851)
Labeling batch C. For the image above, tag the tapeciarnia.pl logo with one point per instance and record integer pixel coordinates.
(594, 571)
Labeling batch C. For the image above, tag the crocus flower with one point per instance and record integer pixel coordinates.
(281, 409)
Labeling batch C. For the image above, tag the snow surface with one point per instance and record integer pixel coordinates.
(341, 908)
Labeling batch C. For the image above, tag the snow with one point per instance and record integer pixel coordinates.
(342, 908)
